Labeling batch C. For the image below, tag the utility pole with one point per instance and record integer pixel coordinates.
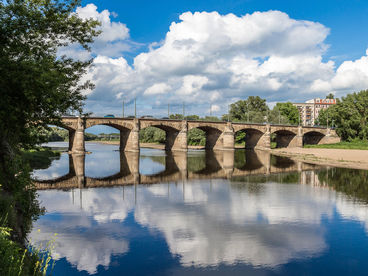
(123, 108)
(183, 110)
(247, 112)
(135, 107)
(228, 113)
(327, 117)
(168, 110)
(279, 117)
(211, 110)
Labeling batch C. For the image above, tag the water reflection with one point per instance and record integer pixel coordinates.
(207, 210)
(133, 168)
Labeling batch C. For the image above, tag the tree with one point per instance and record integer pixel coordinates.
(192, 117)
(349, 116)
(254, 108)
(330, 96)
(287, 112)
(36, 86)
(176, 116)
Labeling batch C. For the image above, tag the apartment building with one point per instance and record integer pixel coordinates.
(309, 110)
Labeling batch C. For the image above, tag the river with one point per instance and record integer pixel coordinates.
(200, 213)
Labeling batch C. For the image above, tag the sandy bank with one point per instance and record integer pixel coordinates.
(356, 159)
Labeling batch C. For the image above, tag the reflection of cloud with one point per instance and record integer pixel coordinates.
(225, 226)
(96, 213)
(205, 223)
(349, 209)
(59, 167)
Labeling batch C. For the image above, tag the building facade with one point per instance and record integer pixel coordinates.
(309, 110)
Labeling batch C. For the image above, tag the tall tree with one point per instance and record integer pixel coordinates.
(36, 84)
(254, 108)
(330, 96)
(349, 116)
(36, 87)
(286, 113)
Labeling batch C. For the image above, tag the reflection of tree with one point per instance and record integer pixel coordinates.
(157, 159)
(284, 178)
(281, 161)
(351, 182)
(196, 162)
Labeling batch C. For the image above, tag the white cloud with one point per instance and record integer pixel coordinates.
(113, 40)
(157, 88)
(209, 57)
(352, 75)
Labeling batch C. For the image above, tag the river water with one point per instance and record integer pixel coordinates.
(201, 213)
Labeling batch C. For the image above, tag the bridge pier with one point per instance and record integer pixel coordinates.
(228, 137)
(76, 138)
(129, 140)
(264, 142)
(330, 138)
(180, 142)
(297, 141)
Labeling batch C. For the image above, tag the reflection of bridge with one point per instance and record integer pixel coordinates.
(217, 164)
(219, 135)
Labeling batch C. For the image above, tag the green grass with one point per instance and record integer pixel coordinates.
(356, 144)
(39, 158)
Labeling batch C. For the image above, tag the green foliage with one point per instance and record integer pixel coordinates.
(176, 116)
(37, 86)
(196, 137)
(240, 137)
(210, 119)
(192, 118)
(16, 260)
(254, 107)
(330, 96)
(152, 135)
(285, 113)
(349, 116)
(39, 158)
(91, 137)
(353, 183)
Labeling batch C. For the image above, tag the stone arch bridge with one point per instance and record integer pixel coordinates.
(219, 135)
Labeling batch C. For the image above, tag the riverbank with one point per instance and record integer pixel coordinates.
(40, 158)
(344, 158)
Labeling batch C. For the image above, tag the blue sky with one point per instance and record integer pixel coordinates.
(208, 54)
(148, 21)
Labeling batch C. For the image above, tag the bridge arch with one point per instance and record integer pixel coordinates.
(171, 134)
(214, 139)
(124, 129)
(252, 137)
(313, 137)
(284, 138)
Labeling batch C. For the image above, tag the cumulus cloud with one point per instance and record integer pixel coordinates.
(113, 40)
(209, 58)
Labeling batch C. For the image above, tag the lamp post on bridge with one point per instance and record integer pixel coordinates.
(135, 107)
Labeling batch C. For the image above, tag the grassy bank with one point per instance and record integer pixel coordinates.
(40, 158)
(356, 144)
